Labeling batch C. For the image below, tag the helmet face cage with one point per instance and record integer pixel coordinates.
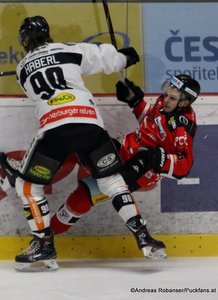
(33, 28)
(188, 87)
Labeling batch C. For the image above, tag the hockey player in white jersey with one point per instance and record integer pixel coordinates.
(69, 121)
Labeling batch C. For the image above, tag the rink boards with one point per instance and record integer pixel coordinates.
(91, 247)
(183, 214)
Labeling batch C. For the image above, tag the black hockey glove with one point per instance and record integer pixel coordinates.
(131, 56)
(156, 157)
(134, 168)
(129, 93)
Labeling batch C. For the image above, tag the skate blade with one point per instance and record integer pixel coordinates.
(156, 255)
(39, 266)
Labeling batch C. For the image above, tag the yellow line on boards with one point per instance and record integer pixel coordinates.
(87, 247)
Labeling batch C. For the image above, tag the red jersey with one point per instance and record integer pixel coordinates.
(172, 131)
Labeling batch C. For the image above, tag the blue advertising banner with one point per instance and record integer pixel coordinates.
(198, 192)
(180, 38)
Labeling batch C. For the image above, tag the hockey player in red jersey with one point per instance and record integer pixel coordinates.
(166, 129)
(160, 147)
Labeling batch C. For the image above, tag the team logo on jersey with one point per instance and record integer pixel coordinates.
(172, 122)
(61, 99)
(181, 141)
(183, 120)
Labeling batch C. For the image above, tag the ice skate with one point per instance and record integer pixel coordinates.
(39, 256)
(150, 247)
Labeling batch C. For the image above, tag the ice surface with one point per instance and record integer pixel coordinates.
(123, 279)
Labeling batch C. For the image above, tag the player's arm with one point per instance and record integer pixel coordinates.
(105, 58)
(178, 164)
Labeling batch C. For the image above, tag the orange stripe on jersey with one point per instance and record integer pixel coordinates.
(36, 213)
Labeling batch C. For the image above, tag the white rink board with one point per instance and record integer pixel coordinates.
(18, 125)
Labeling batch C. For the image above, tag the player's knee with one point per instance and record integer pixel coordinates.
(25, 190)
(112, 185)
(19, 183)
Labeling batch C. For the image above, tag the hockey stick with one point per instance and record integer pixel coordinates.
(7, 73)
(111, 32)
(109, 23)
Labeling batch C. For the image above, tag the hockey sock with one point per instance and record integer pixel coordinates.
(35, 206)
(77, 204)
(58, 226)
(38, 217)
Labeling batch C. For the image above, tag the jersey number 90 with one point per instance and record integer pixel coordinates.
(46, 83)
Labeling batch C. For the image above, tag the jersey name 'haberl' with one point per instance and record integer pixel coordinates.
(51, 75)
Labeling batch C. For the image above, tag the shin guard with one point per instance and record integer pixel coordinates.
(35, 206)
(125, 205)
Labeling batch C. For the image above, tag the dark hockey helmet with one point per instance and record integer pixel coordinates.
(34, 28)
(188, 86)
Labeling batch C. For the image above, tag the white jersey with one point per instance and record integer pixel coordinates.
(51, 75)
